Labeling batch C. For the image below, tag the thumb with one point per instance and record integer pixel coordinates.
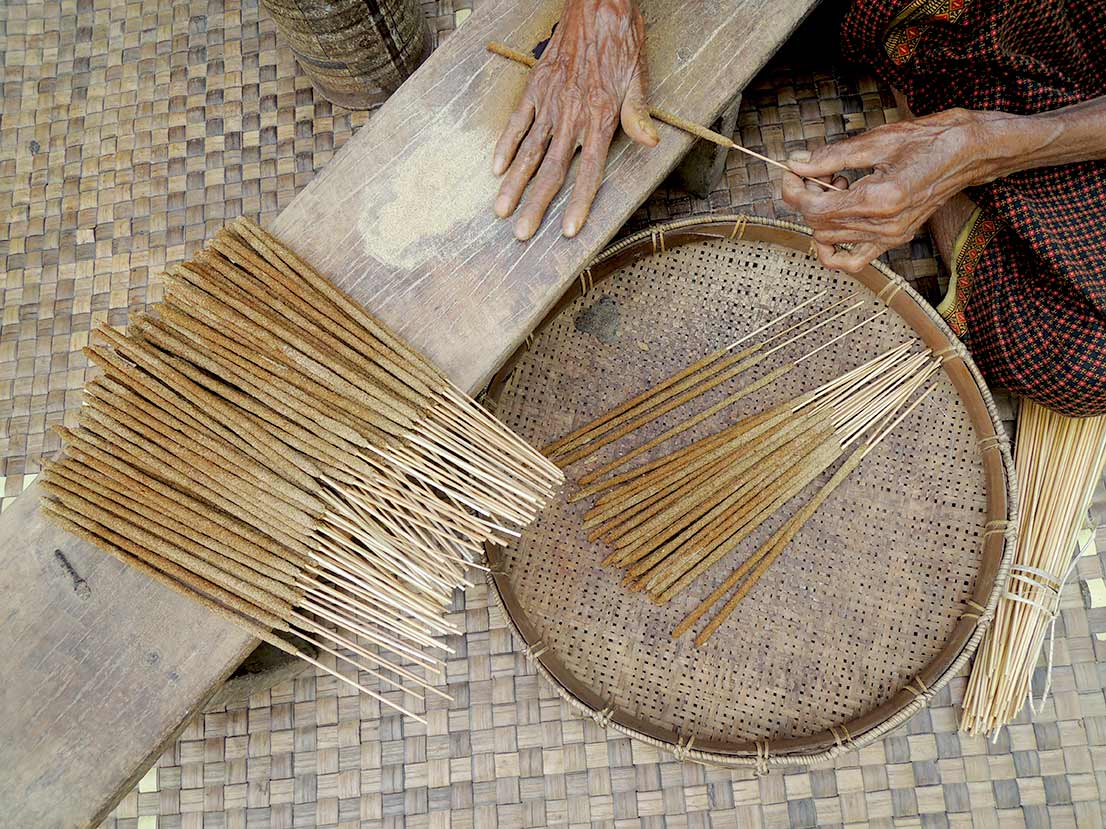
(635, 110)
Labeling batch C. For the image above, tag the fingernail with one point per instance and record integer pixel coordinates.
(571, 228)
(503, 207)
(800, 156)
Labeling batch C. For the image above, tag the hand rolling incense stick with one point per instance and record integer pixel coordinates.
(262, 444)
(669, 118)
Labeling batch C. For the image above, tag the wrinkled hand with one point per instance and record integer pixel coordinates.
(592, 71)
(917, 166)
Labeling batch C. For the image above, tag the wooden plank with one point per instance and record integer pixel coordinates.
(101, 667)
(401, 217)
(100, 674)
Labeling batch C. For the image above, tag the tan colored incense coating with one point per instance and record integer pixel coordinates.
(670, 520)
(698, 130)
(262, 444)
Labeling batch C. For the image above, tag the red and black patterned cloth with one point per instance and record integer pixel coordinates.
(1033, 285)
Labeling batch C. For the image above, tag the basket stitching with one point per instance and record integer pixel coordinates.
(808, 758)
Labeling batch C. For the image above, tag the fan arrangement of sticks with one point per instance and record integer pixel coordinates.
(670, 520)
(265, 446)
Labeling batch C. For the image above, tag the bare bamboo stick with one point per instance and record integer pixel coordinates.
(698, 130)
(71, 522)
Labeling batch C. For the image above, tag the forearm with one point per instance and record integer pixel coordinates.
(1013, 143)
(593, 24)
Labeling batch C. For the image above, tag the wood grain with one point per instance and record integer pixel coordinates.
(98, 680)
(401, 217)
(102, 667)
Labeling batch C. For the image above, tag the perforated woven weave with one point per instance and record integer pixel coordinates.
(863, 601)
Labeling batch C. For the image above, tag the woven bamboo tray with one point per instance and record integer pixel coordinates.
(878, 602)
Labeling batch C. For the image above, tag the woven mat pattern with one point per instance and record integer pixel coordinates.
(132, 130)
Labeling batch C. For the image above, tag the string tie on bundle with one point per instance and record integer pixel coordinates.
(1081, 549)
(603, 718)
(762, 758)
(682, 749)
(1037, 579)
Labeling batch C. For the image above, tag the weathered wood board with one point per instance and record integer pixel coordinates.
(102, 667)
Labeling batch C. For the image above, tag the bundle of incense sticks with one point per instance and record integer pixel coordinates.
(670, 520)
(1059, 460)
(265, 446)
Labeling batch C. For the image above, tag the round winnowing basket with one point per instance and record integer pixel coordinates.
(873, 607)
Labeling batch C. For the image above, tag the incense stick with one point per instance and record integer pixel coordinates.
(671, 119)
(691, 382)
(669, 521)
(263, 445)
(750, 572)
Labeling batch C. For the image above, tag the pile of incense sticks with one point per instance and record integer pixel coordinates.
(1058, 460)
(265, 446)
(668, 521)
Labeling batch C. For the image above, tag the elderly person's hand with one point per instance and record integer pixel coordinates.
(916, 167)
(591, 74)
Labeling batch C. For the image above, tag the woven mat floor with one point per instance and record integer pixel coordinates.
(131, 131)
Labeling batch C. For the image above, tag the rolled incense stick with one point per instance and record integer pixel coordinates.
(750, 572)
(691, 422)
(671, 520)
(263, 445)
(669, 118)
(697, 379)
(650, 396)
(753, 424)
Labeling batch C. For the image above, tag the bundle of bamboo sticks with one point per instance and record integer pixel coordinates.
(668, 521)
(1058, 460)
(263, 445)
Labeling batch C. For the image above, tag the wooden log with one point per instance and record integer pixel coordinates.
(353, 49)
(104, 667)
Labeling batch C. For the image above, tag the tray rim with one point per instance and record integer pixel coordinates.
(998, 547)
